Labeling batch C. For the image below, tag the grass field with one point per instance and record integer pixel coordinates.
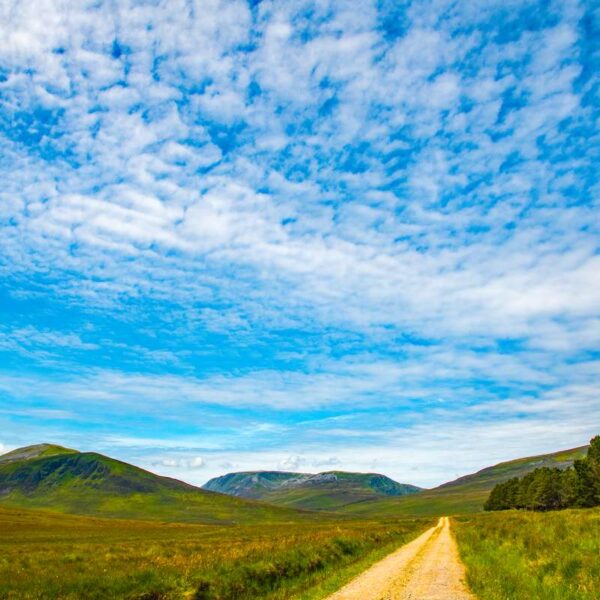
(514, 555)
(50, 555)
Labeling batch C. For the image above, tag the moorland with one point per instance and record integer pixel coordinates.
(83, 525)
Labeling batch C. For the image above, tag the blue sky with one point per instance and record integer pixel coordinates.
(300, 235)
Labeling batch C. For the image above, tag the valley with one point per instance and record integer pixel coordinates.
(83, 525)
(299, 300)
(364, 494)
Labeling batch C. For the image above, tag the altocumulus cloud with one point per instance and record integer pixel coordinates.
(254, 218)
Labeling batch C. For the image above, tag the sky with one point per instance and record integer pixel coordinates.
(300, 235)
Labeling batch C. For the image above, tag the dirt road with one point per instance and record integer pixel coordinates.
(427, 568)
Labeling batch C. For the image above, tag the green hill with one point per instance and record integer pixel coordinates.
(51, 477)
(328, 491)
(466, 494)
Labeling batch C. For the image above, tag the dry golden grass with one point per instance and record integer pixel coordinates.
(48, 555)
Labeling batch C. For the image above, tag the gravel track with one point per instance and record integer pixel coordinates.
(428, 568)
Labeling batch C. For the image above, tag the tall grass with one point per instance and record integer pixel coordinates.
(47, 555)
(534, 556)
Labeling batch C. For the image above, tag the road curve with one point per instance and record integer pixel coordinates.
(428, 568)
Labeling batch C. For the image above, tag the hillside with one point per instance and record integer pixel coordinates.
(329, 491)
(61, 479)
(51, 477)
(249, 484)
(466, 494)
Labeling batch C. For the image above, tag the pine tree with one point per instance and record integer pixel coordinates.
(550, 489)
(593, 457)
(586, 496)
(568, 488)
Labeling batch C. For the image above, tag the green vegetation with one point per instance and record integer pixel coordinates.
(51, 555)
(361, 495)
(324, 491)
(93, 484)
(538, 556)
(196, 544)
(551, 489)
(465, 495)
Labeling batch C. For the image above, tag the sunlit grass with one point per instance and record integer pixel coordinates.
(516, 555)
(46, 555)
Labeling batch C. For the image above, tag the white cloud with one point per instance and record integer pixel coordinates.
(426, 440)
(197, 462)
(430, 452)
(253, 172)
(350, 382)
(44, 345)
(291, 463)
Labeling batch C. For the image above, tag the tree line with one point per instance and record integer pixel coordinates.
(551, 488)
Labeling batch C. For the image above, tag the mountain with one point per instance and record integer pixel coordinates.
(52, 477)
(36, 451)
(466, 494)
(56, 478)
(322, 491)
(249, 484)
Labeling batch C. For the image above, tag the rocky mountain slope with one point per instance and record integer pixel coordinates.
(321, 491)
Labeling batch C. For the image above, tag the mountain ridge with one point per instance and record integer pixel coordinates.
(57, 478)
(90, 483)
(328, 490)
(35, 451)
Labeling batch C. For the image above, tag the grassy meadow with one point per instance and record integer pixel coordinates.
(514, 555)
(50, 555)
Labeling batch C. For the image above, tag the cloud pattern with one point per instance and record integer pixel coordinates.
(260, 229)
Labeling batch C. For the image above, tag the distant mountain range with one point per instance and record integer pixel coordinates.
(322, 491)
(50, 476)
(61, 479)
